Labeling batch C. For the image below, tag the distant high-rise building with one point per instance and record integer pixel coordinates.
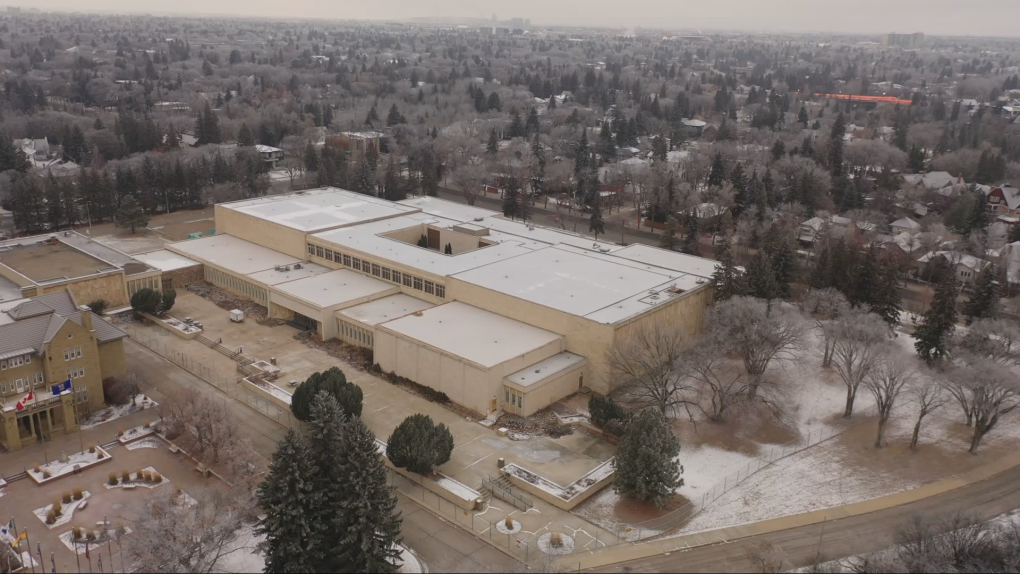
(903, 40)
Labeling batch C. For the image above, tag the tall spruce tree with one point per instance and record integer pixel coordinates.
(727, 279)
(718, 172)
(245, 138)
(311, 158)
(131, 215)
(984, 303)
(761, 279)
(645, 465)
(936, 330)
(288, 499)
(888, 302)
(492, 147)
(596, 223)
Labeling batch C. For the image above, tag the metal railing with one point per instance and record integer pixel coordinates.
(657, 526)
(505, 492)
(229, 385)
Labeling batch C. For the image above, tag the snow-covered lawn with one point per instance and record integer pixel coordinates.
(58, 468)
(146, 443)
(67, 511)
(115, 412)
(841, 470)
(242, 555)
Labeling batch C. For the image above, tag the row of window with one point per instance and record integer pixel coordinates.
(515, 398)
(74, 353)
(252, 291)
(376, 270)
(76, 373)
(81, 395)
(16, 362)
(354, 334)
(21, 385)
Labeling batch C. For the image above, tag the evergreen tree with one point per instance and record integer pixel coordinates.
(11, 156)
(28, 205)
(419, 445)
(690, 246)
(393, 190)
(761, 280)
(394, 117)
(726, 278)
(915, 159)
(429, 174)
(244, 136)
(131, 215)
(596, 224)
(532, 126)
(936, 330)
(836, 147)
(718, 172)
(511, 199)
(888, 302)
(659, 151)
(288, 500)
(364, 178)
(492, 148)
(1014, 234)
(333, 382)
(977, 217)
(516, 128)
(645, 465)
(311, 158)
(783, 266)
(984, 303)
(802, 116)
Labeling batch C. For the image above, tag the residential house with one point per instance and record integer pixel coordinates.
(36, 149)
(1004, 200)
(356, 143)
(693, 128)
(270, 155)
(905, 225)
(967, 267)
(834, 226)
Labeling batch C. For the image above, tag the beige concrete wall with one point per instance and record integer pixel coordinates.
(71, 335)
(15, 277)
(111, 287)
(259, 231)
(558, 387)
(111, 358)
(178, 278)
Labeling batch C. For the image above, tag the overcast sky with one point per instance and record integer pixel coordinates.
(955, 17)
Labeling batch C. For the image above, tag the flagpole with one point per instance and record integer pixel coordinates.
(31, 560)
(109, 543)
(88, 557)
(76, 558)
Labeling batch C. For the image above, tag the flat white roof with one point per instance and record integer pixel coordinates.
(385, 309)
(667, 259)
(543, 370)
(335, 288)
(319, 209)
(233, 254)
(449, 209)
(369, 239)
(484, 338)
(165, 260)
(274, 277)
(598, 286)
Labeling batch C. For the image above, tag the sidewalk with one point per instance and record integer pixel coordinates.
(626, 553)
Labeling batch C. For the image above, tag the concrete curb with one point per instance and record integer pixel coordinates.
(629, 552)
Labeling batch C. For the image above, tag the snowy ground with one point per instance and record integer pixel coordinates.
(57, 468)
(146, 443)
(242, 556)
(841, 470)
(139, 482)
(67, 511)
(115, 412)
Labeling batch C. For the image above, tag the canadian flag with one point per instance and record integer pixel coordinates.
(24, 401)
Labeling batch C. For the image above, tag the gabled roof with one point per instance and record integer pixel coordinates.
(906, 223)
(1011, 195)
(39, 319)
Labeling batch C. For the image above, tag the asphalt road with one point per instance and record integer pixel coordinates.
(841, 538)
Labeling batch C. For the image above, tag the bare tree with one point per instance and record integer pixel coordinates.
(175, 534)
(825, 306)
(469, 178)
(986, 391)
(654, 366)
(766, 558)
(759, 335)
(857, 348)
(995, 339)
(886, 380)
(214, 432)
(929, 398)
(722, 387)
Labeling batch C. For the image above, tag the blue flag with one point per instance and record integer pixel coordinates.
(61, 387)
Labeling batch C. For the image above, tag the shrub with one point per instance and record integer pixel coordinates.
(157, 477)
(112, 478)
(37, 469)
(57, 507)
(79, 493)
(99, 306)
(46, 474)
(77, 533)
(168, 300)
(508, 522)
(147, 301)
(92, 448)
(90, 536)
(51, 517)
(138, 474)
(120, 390)
(120, 432)
(556, 540)
(334, 382)
(605, 409)
(146, 476)
(67, 498)
(418, 444)
(125, 476)
(147, 425)
(100, 455)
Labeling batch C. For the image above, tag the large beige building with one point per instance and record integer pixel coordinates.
(497, 314)
(44, 341)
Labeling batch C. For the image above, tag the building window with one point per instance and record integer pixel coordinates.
(417, 283)
(336, 257)
(3, 365)
(396, 277)
(329, 254)
(430, 288)
(441, 291)
(20, 385)
(78, 352)
(376, 270)
(356, 263)
(318, 251)
(28, 358)
(407, 280)
(386, 273)
(347, 260)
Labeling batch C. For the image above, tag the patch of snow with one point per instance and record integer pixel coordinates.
(242, 554)
(460, 490)
(545, 544)
(137, 482)
(136, 433)
(68, 511)
(272, 389)
(99, 542)
(115, 412)
(580, 485)
(57, 468)
(409, 562)
(146, 443)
